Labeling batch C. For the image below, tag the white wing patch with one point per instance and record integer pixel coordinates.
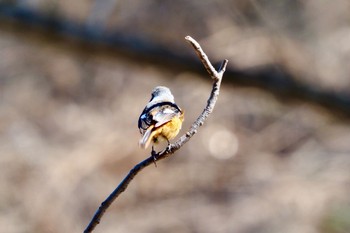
(164, 115)
(168, 111)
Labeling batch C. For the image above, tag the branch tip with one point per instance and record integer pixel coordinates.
(223, 66)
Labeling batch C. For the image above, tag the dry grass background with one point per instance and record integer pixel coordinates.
(68, 128)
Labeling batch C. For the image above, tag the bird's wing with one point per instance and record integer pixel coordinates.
(164, 115)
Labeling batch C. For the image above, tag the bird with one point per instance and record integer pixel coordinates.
(161, 119)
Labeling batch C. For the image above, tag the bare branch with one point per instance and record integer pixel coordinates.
(217, 77)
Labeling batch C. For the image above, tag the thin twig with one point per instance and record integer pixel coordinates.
(217, 77)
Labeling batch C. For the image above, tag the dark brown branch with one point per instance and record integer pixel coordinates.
(217, 77)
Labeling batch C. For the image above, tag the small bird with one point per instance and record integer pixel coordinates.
(161, 119)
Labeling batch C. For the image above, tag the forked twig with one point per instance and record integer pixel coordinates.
(217, 77)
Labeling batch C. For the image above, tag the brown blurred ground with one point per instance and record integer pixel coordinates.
(68, 123)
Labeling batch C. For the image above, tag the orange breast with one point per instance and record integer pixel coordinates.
(169, 130)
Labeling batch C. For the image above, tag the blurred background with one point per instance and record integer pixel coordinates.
(274, 156)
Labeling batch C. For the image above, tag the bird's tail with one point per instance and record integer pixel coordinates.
(147, 137)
